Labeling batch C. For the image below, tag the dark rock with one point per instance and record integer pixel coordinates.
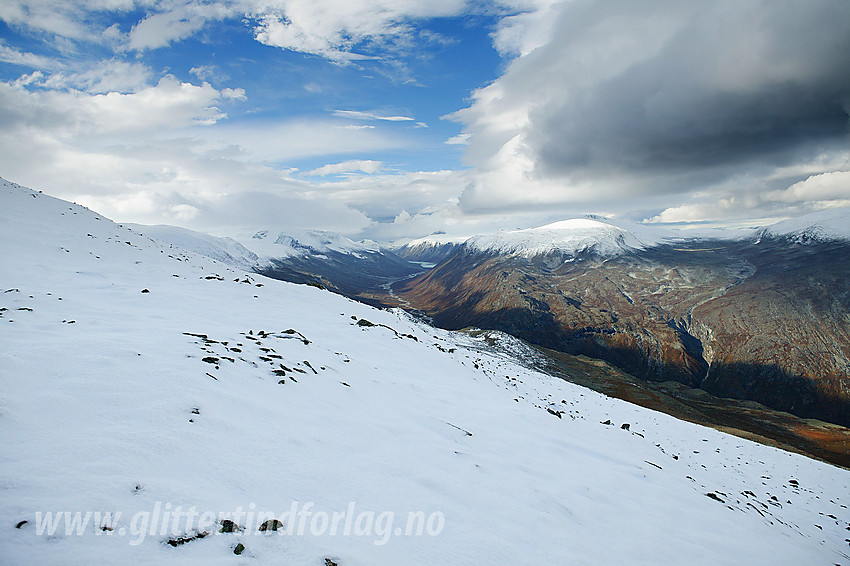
(625, 426)
(21, 524)
(239, 549)
(228, 526)
(145, 290)
(271, 525)
(183, 540)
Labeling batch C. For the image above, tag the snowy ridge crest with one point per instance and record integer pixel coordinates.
(824, 225)
(435, 240)
(568, 237)
(300, 243)
(223, 249)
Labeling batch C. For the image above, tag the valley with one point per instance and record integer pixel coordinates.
(749, 335)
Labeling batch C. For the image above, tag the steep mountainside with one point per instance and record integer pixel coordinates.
(766, 320)
(329, 260)
(429, 250)
(160, 407)
(316, 257)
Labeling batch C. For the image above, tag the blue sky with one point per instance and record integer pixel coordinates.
(395, 119)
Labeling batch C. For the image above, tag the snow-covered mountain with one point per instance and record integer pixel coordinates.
(824, 225)
(222, 249)
(568, 237)
(175, 393)
(329, 260)
(325, 259)
(431, 249)
(301, 243)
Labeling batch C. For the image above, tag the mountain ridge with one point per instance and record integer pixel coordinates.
(744, 313)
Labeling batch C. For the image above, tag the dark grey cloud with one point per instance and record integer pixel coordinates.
(789, 90)
(631, 100)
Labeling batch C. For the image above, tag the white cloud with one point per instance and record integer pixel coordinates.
(460, 139)
(830, 186)
(178, 22)
(168, 105)
(352, 166)
(283, 141)
(101, 77)
(747, 206)
(357, 115)
(59, 17)
(345, 30)
(162, 154)
(25, 59)
(209, 73)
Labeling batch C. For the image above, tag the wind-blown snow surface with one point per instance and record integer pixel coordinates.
(108, 405)
(569, 237)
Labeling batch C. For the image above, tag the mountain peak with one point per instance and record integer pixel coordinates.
(570, 237)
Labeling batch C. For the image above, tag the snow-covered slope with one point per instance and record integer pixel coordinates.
(430, 249)
(433, 241)
(300, 243)
(153, 382)
(569, 237)
(829, 224)
(225, 250)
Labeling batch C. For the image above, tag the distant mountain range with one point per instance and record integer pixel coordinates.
(764, 317)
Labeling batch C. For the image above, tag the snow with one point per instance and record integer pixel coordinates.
(299, 243)
(569, 237)
(431, 241)
(108, 405)
(223, 249)
(829, 224)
